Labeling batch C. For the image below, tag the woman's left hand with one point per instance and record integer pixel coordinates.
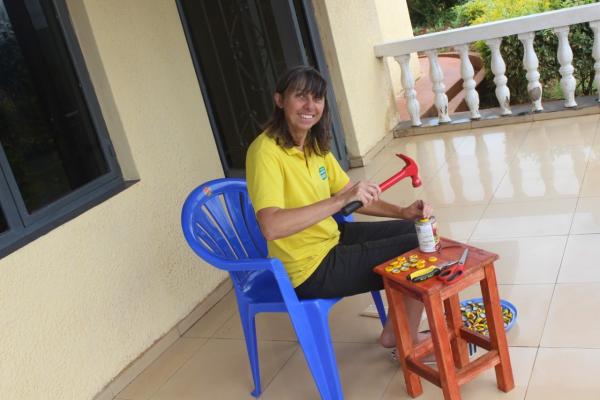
(418, 209)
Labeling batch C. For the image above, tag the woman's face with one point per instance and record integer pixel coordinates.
(302, 110)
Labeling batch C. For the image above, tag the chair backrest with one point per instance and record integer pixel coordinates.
(219, 224)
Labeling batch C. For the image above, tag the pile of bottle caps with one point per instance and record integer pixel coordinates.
(473, 316)
(402, 264)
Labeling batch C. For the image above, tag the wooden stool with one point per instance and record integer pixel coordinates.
(449, 337)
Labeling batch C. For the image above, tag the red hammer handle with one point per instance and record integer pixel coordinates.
(410, 169)
(392, 181)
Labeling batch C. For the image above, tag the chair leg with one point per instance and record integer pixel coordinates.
(312, 329)
(379, 304)
(249, 326)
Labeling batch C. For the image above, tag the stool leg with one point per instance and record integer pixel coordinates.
(441, 346)
(454, 318)
(491, 300)
(404, 342)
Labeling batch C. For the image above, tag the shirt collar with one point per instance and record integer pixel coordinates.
(293, 151)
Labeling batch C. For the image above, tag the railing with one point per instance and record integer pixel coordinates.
(492, 33)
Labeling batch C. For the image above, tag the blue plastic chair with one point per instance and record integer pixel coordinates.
(219, 224)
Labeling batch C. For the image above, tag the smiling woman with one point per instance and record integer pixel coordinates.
(301, 115)
(296, 185)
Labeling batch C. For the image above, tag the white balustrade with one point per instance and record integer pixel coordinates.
(499, 68)
(492, 33)
(408, 84)
(530, 63)
(437, 78)
(565, 58)
(595, 25)
(467, 72)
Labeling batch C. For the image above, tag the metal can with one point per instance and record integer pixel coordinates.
(429, 241)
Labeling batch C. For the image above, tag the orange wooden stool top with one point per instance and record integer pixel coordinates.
(449, 337)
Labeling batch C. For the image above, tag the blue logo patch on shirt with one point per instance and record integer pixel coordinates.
(323, 172)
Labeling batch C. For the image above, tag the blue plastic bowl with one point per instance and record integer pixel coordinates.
(503, 303)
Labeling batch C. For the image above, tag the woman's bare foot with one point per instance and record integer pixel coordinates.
(388, 337)
(388, 340)
(430, 358)
(423, 336)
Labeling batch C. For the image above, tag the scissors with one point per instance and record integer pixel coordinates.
(453, 270)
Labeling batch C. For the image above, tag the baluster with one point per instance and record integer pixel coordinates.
(408, 84)
(437, 77)
(595, 25)
(498, 68)
(565, 57)
(530, 63)
(467, 73)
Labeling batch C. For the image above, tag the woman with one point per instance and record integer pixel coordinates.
(296, 185)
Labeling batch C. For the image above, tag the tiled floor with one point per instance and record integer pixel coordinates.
(529, 192)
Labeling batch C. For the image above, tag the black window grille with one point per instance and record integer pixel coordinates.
(55, 156)
(3, 223)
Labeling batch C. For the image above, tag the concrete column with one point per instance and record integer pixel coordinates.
(349, 29)
(395, 25)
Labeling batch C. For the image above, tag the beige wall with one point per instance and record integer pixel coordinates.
(83, 301)
(363, 87)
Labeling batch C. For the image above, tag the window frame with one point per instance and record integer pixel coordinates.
(25, 226)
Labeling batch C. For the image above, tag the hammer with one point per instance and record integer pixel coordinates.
(410, 169)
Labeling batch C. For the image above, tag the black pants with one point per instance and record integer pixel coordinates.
(348, 268)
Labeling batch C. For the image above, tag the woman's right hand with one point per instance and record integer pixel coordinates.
(363, 191)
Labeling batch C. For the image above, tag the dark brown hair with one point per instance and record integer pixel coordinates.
(301, 79)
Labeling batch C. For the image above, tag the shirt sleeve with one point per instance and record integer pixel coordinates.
(265, 178)
(337, 176)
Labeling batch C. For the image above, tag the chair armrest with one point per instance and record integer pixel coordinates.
(250, 264)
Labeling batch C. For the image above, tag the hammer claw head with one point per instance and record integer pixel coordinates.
(411, 169)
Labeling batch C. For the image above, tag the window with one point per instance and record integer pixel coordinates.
(55, 156)
(240, 48)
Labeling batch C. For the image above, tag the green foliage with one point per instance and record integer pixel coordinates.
(428, 15)
(480, 11)
(581, 39)
(545, 45)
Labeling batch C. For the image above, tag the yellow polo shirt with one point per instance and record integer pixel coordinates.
(287, 178)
